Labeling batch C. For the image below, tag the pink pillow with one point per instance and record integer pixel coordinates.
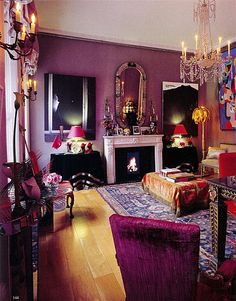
(31, 188)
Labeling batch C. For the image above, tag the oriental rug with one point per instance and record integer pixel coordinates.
(130, 199)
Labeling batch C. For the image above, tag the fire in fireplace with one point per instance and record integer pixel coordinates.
(132, 163)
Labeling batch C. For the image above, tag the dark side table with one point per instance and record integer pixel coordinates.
(69, 164)
(174, 156)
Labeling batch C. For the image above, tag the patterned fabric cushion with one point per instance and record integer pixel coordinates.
(214, 152)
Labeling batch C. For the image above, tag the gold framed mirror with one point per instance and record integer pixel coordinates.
(130, 95)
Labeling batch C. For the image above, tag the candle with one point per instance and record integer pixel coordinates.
(220, 39)
(35, 86)
(182, 45)
(18, 12)
(185, 52)
(30, 83)
(228, 48)
(196, 39)
(23, 33)
(32, 25)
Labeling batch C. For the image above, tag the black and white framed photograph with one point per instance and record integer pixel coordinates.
(136, 130)
(69, 100)
(120, 132)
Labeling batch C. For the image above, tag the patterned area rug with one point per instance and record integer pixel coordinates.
(130, 199)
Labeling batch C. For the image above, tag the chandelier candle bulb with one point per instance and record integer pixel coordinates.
(185, 53)
(32, 25)
(220, 40)
(18, 12)
(182, 44)
(196, 39)
(228, 48)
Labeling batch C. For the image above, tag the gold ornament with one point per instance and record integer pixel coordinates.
(201, 115)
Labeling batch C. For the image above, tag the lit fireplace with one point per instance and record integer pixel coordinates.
(133, 163)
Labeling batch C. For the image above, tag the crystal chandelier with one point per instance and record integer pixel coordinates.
(206, 62)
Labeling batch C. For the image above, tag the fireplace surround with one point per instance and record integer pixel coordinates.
(113, 142)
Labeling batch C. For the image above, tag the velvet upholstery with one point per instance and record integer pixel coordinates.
(227, 167)
(227, 164)
(158, 259)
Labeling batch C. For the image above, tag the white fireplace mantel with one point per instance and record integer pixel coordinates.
(113, 142)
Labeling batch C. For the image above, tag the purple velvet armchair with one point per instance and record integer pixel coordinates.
(158, 259)
(159, 262)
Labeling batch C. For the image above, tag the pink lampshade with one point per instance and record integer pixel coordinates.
(76, 132)
(180, 130)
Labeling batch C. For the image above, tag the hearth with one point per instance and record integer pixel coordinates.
(111, 143)
(133, 163)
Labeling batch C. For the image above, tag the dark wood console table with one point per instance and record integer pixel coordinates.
(220, 189)
(68, 165)
(174, 156)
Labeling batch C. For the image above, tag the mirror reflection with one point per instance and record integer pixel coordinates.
(130, 99)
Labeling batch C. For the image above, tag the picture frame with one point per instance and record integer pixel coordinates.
(120, 132)
(69, 100)
(136, 130)
(145, 130)
(227, 93)
(178, 102)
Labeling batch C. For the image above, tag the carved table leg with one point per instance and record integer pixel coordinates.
(218, 221)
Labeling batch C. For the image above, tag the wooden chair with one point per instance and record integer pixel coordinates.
(84, 180)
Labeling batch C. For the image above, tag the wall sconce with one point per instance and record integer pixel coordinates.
(23, 43)
(31, 89)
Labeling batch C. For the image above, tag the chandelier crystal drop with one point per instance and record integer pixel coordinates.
(206, 62)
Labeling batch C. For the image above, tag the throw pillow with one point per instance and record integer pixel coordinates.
(214, 152)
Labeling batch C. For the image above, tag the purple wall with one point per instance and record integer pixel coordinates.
(75, 57)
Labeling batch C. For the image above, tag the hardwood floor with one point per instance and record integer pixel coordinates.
(77, 261)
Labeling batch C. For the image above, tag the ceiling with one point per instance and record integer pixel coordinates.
(156, 23)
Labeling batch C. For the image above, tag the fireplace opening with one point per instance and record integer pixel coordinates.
(132, 163)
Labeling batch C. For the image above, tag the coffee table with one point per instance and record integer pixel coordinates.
(183, 197)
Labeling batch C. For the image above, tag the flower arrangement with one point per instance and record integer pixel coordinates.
(52, 179)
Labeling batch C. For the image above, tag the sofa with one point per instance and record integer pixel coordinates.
(210, 165)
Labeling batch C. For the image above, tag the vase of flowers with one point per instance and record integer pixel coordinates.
(52, 180)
